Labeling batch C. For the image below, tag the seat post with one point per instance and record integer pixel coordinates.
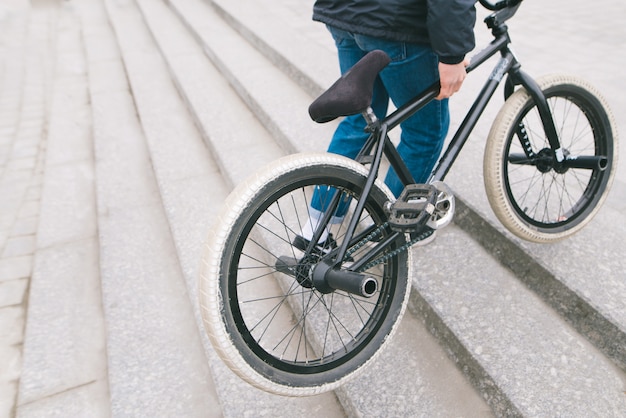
(370, 118)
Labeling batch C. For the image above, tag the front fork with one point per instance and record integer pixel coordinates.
(517, 77)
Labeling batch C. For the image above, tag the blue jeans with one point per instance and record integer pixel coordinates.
(413, 68)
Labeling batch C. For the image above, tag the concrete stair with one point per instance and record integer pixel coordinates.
(25, 81)
(184, 99)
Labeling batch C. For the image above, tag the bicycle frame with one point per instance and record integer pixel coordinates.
(507, 65)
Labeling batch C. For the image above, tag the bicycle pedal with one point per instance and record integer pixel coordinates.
(444, 208)
(414, 208)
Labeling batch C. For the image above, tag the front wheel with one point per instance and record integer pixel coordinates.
(270, 324)
(535, 198)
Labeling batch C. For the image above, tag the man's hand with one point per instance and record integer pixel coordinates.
(451, 77)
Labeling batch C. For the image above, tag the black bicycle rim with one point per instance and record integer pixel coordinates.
(359, 340)
(588, 184)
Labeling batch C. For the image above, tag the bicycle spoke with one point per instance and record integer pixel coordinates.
(544, 193)
(271, 298)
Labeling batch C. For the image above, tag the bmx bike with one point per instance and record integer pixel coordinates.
(299, 320)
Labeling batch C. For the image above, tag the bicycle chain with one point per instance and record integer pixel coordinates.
(385, 256)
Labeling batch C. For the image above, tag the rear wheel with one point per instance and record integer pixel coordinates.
(274, 329)
(532, 196)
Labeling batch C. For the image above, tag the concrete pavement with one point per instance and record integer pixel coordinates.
(49, 230)
(25, 83)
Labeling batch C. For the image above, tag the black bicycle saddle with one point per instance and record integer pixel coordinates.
(352, 93)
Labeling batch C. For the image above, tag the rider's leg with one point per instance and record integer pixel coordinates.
(423, 134)
(413, 69)
(421, 142)
(349, 136)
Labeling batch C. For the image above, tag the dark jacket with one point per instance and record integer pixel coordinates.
(446, 25)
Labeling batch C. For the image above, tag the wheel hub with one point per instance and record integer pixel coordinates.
(303, 271)
(545, 161)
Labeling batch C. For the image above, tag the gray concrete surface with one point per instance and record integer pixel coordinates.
(26, 67)
(68, 350)
(151, 334)
(171, 140)
(241, 15)
(65, 329)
